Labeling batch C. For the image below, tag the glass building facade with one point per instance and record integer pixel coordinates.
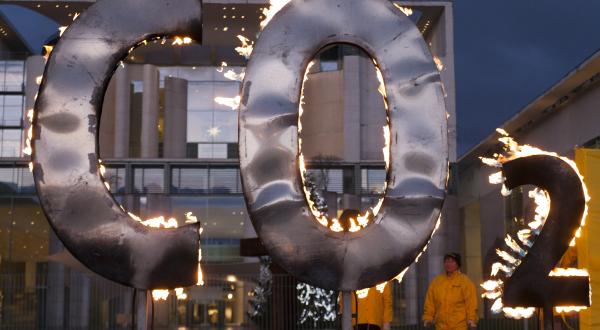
(43, 286)
(12, 81)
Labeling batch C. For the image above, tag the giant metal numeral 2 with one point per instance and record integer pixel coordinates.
(269, 152)
(530, 284)
(90, 223)
(100, 234)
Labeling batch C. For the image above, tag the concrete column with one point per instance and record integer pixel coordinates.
(372, 116)
(34, 68)
(239, 301)
(122, 113)
(175, 136)
(150, 106)
(352, 97)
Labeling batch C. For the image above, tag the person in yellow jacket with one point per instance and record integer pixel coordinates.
(375, 310)
(451, 301)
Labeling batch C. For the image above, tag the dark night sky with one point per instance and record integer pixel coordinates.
(509, 52)
(506, 53)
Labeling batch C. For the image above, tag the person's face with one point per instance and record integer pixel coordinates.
(450, 265)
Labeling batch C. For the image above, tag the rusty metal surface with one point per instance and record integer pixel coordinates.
(84, 215)
(530, 284)
(269, 151)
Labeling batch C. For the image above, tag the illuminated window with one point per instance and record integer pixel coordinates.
(10, 142)
(11, 76)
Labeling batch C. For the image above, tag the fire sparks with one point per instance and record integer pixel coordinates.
(519, 312)
(524, 237)
(190, 218)
(362, 220)
(232, 75)
(200, 274)
(515, 313)
(514, 246)
(569, 272)
(231, 102)
(491, 285)
(569, 309)
(47, 50)
(400, 276)
(181, 295)
(28, 149)
(274, 7)
(498, 266)
(496, 178)
(438, 63)
(160, 295)
(362, 294)
(353, 226)
(335, 225)
(246, 48)
(179, 41)
(507, 257)
(405, 10)
(542, 202)
(160, 222)
(493, 288)
(222, 67)
(102, 171)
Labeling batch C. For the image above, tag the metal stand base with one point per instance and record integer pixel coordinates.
(347, 312)
(143, 310)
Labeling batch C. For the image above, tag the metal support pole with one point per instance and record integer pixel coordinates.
(347, 312)
(143, 312)
(548, 317)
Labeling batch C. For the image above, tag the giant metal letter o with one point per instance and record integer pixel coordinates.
(80, 209)
(269, 154)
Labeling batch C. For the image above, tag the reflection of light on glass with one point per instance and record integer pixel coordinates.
(214, 131)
